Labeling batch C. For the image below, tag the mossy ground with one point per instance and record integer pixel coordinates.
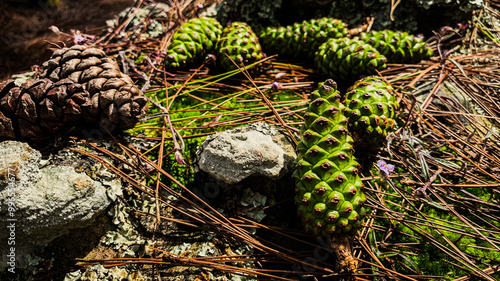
(199, 111)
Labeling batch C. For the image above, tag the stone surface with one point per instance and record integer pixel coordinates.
(45, 203)
(255, 150)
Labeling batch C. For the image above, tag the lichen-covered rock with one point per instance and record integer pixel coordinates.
(420, 16)
(256, 150)
(256, 13)
(99, 272)
(143, 22)
(43, 203)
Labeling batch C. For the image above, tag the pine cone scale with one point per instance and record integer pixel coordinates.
(125, 110)
(122, 97)
(93, 52)
(26, 108)
(49, 111)
(69, 56)
(112, 83)
(69, 67)
(6, 127)
(106, 98)
(72, 111)
(88, 62)
(93, 108)
(90, 73)
(96, 85)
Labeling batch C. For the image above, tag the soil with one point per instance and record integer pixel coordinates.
(25, 37)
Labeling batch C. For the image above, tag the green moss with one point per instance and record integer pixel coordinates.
(437, 231)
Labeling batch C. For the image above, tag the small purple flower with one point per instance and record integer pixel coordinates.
(79, 38)
(420, 36)
(384, 167)
(199, 6)
(275, 85)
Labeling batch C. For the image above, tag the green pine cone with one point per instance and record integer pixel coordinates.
(398, 47)
(273, 40)
(329, 191)
(346, 59)
(241, 44)
(371, 106)
(301, 40)
(192, 41)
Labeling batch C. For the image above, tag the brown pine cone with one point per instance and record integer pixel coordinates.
(40, 108)
(115, 102)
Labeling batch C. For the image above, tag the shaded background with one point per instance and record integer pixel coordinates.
(25, 34)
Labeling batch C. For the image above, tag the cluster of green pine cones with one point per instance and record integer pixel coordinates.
(233, 45)
(327, 41)
(329, 191)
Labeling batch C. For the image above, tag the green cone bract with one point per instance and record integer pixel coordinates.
(329, 191)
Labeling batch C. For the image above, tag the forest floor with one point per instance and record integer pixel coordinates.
(446, 145)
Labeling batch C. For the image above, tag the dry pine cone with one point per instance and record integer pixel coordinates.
(77, 85)
(115, 102)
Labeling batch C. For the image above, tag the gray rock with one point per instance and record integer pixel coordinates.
(45, 203)
(255, 150)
